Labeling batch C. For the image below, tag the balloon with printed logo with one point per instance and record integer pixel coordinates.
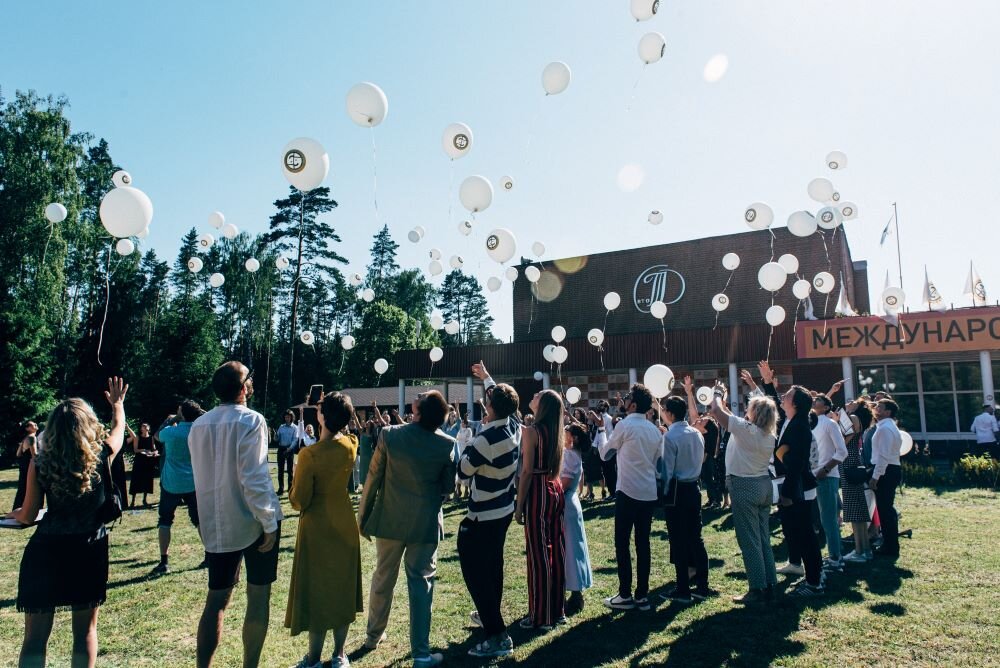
(381, 366)
(125, 247)
(216, 280)
(216, 220)
(437, 322)
(573, 395)
(820, 189)
(305, 163)
(720, 302)
(55, 213)
(456, 262)
(829, 218)
(560, 354)
(435, 354)
(652, 45)
(772, 276)
(434, 268)
(452, 327)
(465, 228)
(205, 241)
(612, 300)
(532, 273)
(655, 217)
(556, 77)
(476, 193)
(824, 282)
(367, 105)
(658, 310)
(789, 262)
(836, 160)
(195, 265)
(659, 379)
(848, 210)
(704, 395)
(775, 315)
(595, 337)
(252, 265)
(506, 184)
(538, 248)
(501, 245)
(802, 224)
(230, 231)
(121, 178)
(548, 352)
(759, 216)
(731, 261)
(493, 283)
(510, 274)
(643, 10)
(356, 279)
(307, 338)
(125, 211)
(801, 288)
(434, 254)
(457, 140)
(347, 342)
(281, 262)
(558, 333)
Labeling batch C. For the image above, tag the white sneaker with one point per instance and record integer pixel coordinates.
(618, 602)
(338, 662)
(833, 565)
(429, 660)
(853, 557)
(475, 619)
(792, 569)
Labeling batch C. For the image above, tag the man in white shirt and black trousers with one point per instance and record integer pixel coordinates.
(985, 429)
(680, 471)
(887, 474)
(639, 446)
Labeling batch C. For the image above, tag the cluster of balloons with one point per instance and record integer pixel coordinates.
(125, 212)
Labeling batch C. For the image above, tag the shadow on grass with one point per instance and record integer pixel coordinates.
(888, 609)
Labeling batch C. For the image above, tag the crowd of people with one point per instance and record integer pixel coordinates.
(791, 449)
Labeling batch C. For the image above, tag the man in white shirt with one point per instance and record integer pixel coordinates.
(609, 466)
(832, 451)
(886, 475)
(239, 512)
(638, 444)
(985, 429)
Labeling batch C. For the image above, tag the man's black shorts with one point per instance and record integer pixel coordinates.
(262, 567)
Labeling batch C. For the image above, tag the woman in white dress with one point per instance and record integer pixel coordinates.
(578, 572)
(463, 438)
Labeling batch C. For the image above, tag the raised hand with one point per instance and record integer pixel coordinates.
(766, 374)
(117, 389)
(688, 385)
(479, 371)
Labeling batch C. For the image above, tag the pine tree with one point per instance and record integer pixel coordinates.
(461, 298)
(383, 269)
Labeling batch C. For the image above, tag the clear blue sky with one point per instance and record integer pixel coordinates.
(198, 98)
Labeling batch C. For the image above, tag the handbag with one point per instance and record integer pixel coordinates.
(857, 475)
(111, 509)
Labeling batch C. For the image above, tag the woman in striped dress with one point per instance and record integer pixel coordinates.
(540, 506)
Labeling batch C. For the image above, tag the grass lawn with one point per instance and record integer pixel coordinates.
(937, 605)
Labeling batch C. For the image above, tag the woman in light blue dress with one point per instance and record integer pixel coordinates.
(578, 574)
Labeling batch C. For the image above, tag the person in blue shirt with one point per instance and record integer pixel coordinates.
(288, 439)
(176, 476)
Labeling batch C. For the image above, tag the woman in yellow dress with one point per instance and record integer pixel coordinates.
(325, 592)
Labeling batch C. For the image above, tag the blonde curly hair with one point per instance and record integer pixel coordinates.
(74, 437)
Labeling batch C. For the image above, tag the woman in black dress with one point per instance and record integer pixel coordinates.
(853, 493)
(144, 464)
(65, 563)
(26, 451)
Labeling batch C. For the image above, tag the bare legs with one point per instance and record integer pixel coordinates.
(38, 628)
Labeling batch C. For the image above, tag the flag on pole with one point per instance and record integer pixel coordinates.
(974, 287)
(887, 230)
(932, 298)
(844, 306)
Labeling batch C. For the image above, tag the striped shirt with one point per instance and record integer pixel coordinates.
(490, 463)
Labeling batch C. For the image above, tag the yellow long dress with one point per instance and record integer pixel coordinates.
(325, 592)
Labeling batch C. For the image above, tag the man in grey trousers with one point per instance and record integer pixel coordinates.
(411, 472)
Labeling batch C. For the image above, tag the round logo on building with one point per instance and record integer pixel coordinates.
(657, 283)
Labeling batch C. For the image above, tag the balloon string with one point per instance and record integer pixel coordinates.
(431, 372)
(795, 324)
(451, 187)
(771, 334)
(829, 264)
(343, 357)
(606, 314)
(732, 272)
(772, 243)
(375, 173)
(600, 351)
(531, 311)
(107, 300)
(635, 86)
(52, 227)
(663, 328)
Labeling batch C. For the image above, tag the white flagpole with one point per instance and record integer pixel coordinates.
(899, 258)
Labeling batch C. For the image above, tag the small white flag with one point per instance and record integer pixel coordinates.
(886, 231)
(810, 313)
(932, 297)
(844, 306)
(974, 287)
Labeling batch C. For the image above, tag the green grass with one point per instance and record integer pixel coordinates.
(937, 605)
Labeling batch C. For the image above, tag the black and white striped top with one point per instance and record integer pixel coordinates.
(490, 462)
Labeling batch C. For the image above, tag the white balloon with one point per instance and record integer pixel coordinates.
(367, 105)
(143, 234)
(789, 262)
(216, 280)
(630, 177)
(548, 352)
(715, 68)
(848, 210)
(230, 231)
(456, 262)
(121, 178)
(434, 268)
(560, 355)
(659, 379)
(307, 337)
(281, 262)
(651, 47)
(465, 228)
(772, 276)
(595, 336)
(801, 288)
(457, 140)
(356, 279)
(836, 160)
(493, 283)
(824, 282)
(612, 300)
(510, 274)
(538, 248)
(125, 211)
(558, 333)
(55, 212)
(413, 236)
(775, 315)
(452, 327)
(906, 444)
(195, 265)
(655, 217)
(643, 10)
(205, 241)
(305, 163)
(704, 395)
(125, 247)
(802, 224)
(216, 219)
(720, 302)
(506, 183)
(759, 216)
(381, 366)
(835, 196)
(501, 245)
(893, 299)
(573, 395)
(252, 265)
(539, 376)
(437, 322)
(658, 310)
(532, 273)
(347, 342)
(434, 254)
(435, 354)
(731, 261)
(556, 77)
(820, 189)
(476, 193)
(368, 295)
(829, 218)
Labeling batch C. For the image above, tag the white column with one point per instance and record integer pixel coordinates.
(633, 377)
(734, 389)
(986, 368)
(847, 369)
(470, 395)
(402, 397)
(546, 381)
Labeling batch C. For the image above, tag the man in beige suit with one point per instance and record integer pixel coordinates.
(412, 470)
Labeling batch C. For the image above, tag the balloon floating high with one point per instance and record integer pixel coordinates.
(368, 295)
(655, 217)
(281, 262)
(659, 379)
(829, 218)
(307, 338)
(437, 322)
(558, 333)
(216, 280)
(643, 10)
(356, 279)
(501, 245)
(125, 247)
(836, 160)
(452, 327)
(347, 342)
(715, 68)
(775, 315)
(731, 261)
(506, 183)
(532, 273)
(595, 337)
(205, 241)
(789, 262)
(55, 213)
(493, 283)
(759, 216)
(801, 288)
(476, 193)
(435, 354)
(305, 163)
(456, 262)
(434, 253)
(720, 302)
(658, 310)
(457, 140)
(381, 366)
(848, 210)
(555, 78)
(612, 300)
(367, 105)
(195, 265)
(434, 268)
(252, 265)
(510, 274)
(823, 282)
(121, 178)
(125, 211)
(820, 189)
(573, 395)
(538, 248)
(230, 231)
(652, 45)
(216, 220)
(465, 228)
(772, 276)
(802, 224)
